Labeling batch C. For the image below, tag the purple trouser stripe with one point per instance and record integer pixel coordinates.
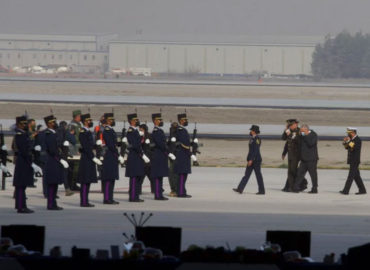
(133, 188)
(181, 184)
(84, 201)
(50, 204)
(107, 190)
(20, 206)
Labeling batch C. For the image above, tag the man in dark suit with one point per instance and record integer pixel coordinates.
(182, 166)
(87, 169)
(254, 161)
(24, 167)
(111, 158)
(135, 158)
(55, 165)
(309, 158)
(353, 145)
(159, 157)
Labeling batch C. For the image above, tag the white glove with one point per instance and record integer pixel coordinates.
(172, 156)
(99, 142)
(124, 140)
(121, 159)
(64, 163)
(3, 168)
(36, 168)
(195, 140)
(287, 132)
(193, 158)
(66, 143)
(101, 158)
(4, 147)
(173, 139)
(97, 161)
(145, 158)
(147, 141)
(37, 148)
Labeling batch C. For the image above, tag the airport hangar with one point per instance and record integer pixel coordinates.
(278, 55)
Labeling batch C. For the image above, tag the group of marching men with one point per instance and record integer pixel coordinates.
(100, 155)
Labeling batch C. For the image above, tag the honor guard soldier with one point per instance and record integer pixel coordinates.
(254, 161)
(292, 147)
(87, 169)
(309, 158)
(183, 156)
(110, 162)
(352, 143)
(135, 159)
(74, 128)
(160, 157)
(146, 145)
(55, 166)
(172, 176)
(24, 167)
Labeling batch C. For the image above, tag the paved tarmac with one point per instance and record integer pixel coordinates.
(214, 216)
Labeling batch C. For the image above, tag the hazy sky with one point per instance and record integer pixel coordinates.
(164, 18)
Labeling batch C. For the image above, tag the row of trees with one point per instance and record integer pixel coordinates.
(344, 56)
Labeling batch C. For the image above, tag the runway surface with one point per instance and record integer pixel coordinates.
(316, 104)
(214, 216)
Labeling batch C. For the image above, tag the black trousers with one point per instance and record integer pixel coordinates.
(142, 178)
(173, 178)
(354, 174)
(158, 187)
(256, 167)
(20, 198)
(134, 188)
(304, 167)
(52, 195)
(108, 188)
(181, 189)
(84, 194)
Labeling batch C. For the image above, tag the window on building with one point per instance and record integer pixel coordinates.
(34, 56)
(60, 57)
(71, 57)
(85, 57)
(52, 56)
(93, 57)
(45, 56)
(1, 55)
(19, 55)
(8, 55)
(105, 58)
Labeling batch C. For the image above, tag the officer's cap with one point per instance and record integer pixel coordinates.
(351, 129)
(85, 117)
(156, 116)
(49, 119)
(131, 116)
(109, 116)
(21, 119)
(292, 121)
(182, 116)
(255, 128)
(76, 113)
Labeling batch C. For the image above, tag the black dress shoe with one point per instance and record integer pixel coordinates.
(87, 205)
(260, 193)
(108, 202)
(184, 196)
(161, 199)
(136, 200)
(343, 192)
(55, 208)
(56, 197)
(237, 190)
(25, 211)
(115, 202)
(361, 193)
(313, 191)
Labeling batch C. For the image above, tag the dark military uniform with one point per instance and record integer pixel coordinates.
(135, 163)
(54, 170)
(159, 160)
(309, 158)
(23, 172)
(87, 169)
(110, 164)
(254, 155)
(354, 159)
(74, 147)
(41, 160)
(172, 176)
(147, 150)
(182, 166)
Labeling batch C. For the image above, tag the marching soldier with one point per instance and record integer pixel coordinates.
(55, 165)
(88, 161)
(135, 159)
(24, 167)
(146, 146)
(293, 148)
(74, 128)
(111, 158)
(254, 161)
(172, 176)
(160, 157)
(183, 156)
(309, 158)
(352, 143)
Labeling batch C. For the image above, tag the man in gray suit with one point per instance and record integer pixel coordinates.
(309, 158)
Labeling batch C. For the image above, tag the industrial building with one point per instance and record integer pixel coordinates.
(83, 53)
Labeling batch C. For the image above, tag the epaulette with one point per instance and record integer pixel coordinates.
(19, 133)
(155, 129)
(107, 128)
(82, 130)
(48, 131)
(130, 129)
(180, 128)
(258, 140)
